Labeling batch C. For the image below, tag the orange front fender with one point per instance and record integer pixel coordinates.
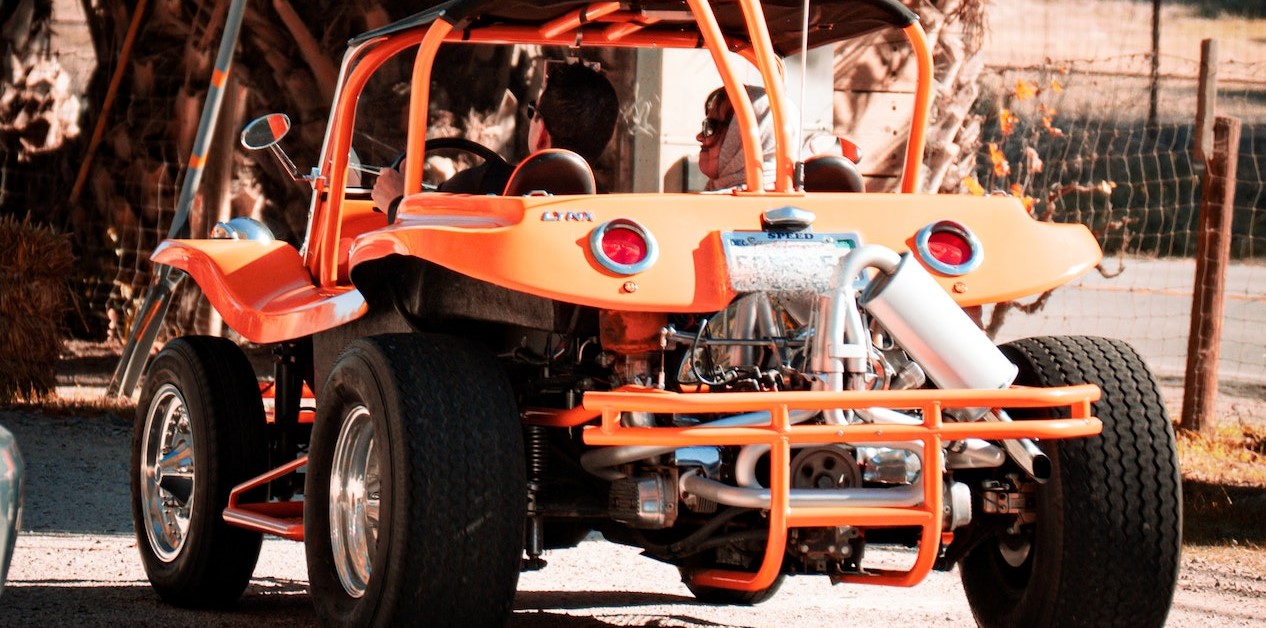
(263, 291)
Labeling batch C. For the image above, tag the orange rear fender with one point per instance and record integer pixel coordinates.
(540, 245)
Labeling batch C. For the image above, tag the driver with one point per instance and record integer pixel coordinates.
(577, 111)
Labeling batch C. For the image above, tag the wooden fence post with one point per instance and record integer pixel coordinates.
(1206, 99)
(1213, 250)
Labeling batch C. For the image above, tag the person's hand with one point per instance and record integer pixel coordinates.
(388, 187)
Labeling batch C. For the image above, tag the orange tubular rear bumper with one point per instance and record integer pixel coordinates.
(780, 436)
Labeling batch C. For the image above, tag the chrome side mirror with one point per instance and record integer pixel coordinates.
(266, 132)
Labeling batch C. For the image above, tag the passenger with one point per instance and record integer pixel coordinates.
(721, 147)
(577, 111)
(721, 142)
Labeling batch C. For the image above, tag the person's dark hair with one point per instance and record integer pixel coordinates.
(579, 108)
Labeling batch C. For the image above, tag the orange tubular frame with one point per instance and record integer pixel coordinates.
(284, 519)
(780, 435)
(322, 260)
(922, 106)
(766, 61)
(579, 17)
(752, 163)
(276, 314)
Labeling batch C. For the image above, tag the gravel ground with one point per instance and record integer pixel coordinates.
(76, 563)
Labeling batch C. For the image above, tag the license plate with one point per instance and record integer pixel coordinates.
(784, 262)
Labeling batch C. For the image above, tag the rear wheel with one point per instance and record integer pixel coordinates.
(1104, 549)
(416, 495)
(199, 432)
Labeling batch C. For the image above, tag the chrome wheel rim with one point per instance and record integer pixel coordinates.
(1015, 550)
(167, 473)
(355, 495)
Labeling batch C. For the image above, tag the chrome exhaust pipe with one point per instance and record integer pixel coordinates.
(604, 462)
(951, 349)
(754, 497)
(957, 497)
(1024, 451)
(936, 332)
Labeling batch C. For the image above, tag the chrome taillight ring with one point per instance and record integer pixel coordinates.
(923, 241)
(596, 240)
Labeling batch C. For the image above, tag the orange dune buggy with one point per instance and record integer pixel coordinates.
(747, 385)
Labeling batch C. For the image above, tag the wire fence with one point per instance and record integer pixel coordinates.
(1080, 118)
(1086, 124)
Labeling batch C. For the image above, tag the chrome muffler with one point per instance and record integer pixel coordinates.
(926, 322)
(936, 332)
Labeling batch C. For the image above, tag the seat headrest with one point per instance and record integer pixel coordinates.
(554, 171)
(832, 173)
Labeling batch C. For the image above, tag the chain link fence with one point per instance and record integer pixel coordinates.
(1085, 123)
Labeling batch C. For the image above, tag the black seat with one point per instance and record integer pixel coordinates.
(832, 173)
(553, 171)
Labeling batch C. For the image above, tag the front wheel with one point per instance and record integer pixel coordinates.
(731, 597)
(737, 555)
(416, 491)
(199, 432)
(1104, 548)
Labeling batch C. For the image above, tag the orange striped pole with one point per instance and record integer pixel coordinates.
(166, 279)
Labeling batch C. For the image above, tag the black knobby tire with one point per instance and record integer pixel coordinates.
(446, 465)
(202, 390)
(753, 550)
(1104, 550)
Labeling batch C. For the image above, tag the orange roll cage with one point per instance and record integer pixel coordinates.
(614, 28)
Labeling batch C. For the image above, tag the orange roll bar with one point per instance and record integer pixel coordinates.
(322, 258)
(420, 102)
(752, 159)
(644, 38)
(615, 32)
(577, 18)
(784, 156)
(922, 105)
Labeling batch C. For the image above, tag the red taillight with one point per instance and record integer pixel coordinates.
(949, 248)
(623, 246)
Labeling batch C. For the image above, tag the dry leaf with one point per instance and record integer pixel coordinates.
(1025, 89)
(1001, 167)
(1007, 122)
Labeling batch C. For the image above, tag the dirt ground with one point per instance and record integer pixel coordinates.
(76, 563)
(76, 560)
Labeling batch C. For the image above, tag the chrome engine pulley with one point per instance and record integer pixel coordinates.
(825, 550)
(828, 467)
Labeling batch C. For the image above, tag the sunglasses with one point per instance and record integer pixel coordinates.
(712, 126)
(532, 111)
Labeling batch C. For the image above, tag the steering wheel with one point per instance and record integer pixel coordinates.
(457, 143)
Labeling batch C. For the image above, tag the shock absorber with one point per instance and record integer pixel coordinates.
(537, 459)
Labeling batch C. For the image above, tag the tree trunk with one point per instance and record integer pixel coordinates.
(874, 85)
(133, 180)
